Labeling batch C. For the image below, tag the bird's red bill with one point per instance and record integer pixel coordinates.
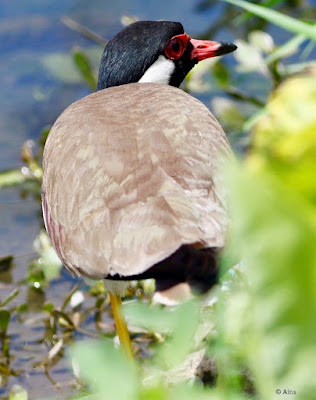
(203, 49)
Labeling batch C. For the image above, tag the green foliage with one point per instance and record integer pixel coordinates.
(18, 393)
(11, 296)
(31, 171)
(285, 137)
(46, 267)
(84, 66)
(270, 324)
(11, 177)
(286, 50)
(5, 314)
(277, 18)
(181, 322)
(4, 320)
(74, 68)
(272, 233)
(107, 371)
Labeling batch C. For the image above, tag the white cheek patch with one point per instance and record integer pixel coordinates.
(159, 72)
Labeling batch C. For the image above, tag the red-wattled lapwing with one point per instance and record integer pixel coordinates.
(132, 185)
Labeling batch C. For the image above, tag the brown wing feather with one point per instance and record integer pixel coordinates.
(130, 174)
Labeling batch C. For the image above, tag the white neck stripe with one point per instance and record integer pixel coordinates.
(159, 72)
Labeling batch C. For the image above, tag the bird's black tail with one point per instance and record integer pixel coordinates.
(198, 267)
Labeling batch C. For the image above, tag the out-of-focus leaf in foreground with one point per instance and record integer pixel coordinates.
(274, 232)
(18, 393)
(84, 66)
(182, 322)
(277, 241)
(285, 137)
(107, 371)
(277, 18)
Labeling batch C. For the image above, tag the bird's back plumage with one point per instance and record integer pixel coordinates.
(142, 167)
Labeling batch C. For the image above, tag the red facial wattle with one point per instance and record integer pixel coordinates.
(177, 46)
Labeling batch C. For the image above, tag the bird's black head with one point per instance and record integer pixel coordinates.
(154, 51)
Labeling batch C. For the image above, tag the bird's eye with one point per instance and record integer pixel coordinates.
(176, 47)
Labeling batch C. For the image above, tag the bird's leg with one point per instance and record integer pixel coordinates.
(121, 327)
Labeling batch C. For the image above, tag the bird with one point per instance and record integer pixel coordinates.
(132, 173)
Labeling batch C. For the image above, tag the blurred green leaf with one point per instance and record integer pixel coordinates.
(181, 343)
(286, 49)
(268, 324)
(275, 237)
(198, 79)
(84, 66)
(277, 18)
(181, 321)
(285, 137)
(21, 308)
(12, 177)
(48, 307)
(11, 296)
(97, 288)
(196, 392)
(4, 320)
(90, 397)
(227, 113)
(253, 120)
(17, 392)
(297, 68)
(48, 262)
(154, 393)
(62, 66)
(63, 319)
(43, 136)
(264, 3)
(106, 370)
(220, 72)
(154, 318)
(35, 276)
